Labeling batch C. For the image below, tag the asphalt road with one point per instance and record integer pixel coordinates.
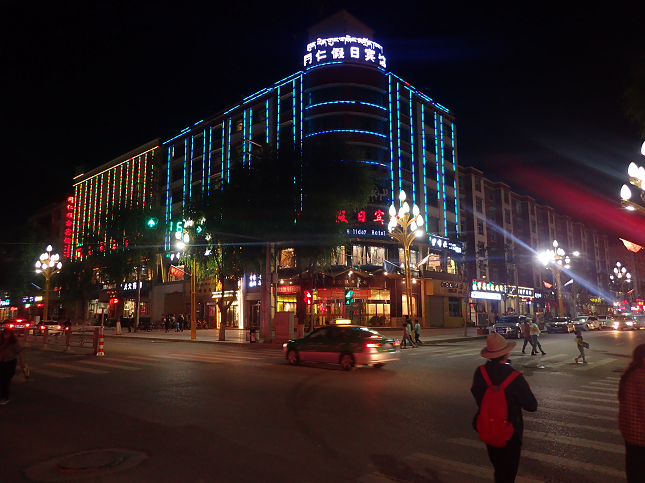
(216, 413)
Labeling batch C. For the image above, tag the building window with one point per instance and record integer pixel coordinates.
(454, 307)
(491, 195)
(493, 235)
(533, 226)
(507, 216)
(480, 228)
(478, 205)
(478, 184)
(496, 274)
(482, 274)
(481, 249)
(461, 204)
(520, 225)
(461, 181)
(491, 213)
(506, 199)
(518, 207)
(539, 217)
(533, 209)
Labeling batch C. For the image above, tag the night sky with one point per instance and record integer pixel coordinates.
(536, 89)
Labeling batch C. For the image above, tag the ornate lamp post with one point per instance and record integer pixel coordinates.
(49, 266)
(404, 227)
(557, 260)
(183, 240)
(637, 179)
(620, 277)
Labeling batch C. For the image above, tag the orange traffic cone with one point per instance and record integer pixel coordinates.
(100, 351)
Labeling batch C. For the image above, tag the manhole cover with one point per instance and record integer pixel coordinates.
(83, 464)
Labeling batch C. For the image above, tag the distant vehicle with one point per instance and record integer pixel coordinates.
(560, 324)
(53, 327)
(347, 345)
(622, 322)
(604, 321)
(16, 324)
(587, 322)
(639, 321)
(510, 326)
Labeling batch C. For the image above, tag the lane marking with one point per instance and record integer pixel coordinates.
(539, 359)
(608, 385)
(592, 364)
(76, 368)
(465, 353)
(576, 413)
(481, 471)
(572, 425)
(141, 363)
(580, 405)
(589, 392)
(59, 375)
(556, 460)
(595, 399)
(152, 359)
(113, 366)
(581, 442)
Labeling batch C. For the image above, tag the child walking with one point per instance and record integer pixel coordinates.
(582, 345)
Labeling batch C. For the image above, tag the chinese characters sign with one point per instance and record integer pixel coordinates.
(441, 242)
(343, 49)
(368, 223)
(69, 227)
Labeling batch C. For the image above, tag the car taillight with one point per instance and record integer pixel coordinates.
(372, 345)
(42, 327)
(27, 324)
(11, 326)
(396, 343)
(58, 327)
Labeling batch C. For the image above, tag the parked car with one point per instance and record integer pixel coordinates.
(16, 324)
(347, 345)
(639, 321)
(560, 324)
(510, 326)
(586, 322)
(53, 327)
(604, 321)
(622, 322)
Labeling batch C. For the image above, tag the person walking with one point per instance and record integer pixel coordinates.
(495, 374)
(180, 322)
(631, 415)
(10, 352)
(417, 332)
(535, 334)
(175, 323)
(582, 345)
(167, 323)
(528, 338)
(406, 337)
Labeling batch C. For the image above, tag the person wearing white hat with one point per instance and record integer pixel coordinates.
(519, 396)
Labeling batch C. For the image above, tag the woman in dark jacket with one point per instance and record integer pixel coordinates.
(10, 352)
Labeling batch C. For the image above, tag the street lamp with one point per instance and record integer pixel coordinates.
(404, 227)
(620, 277)
(49, 266)
(183, 242)
(637, 179)
(557, 260)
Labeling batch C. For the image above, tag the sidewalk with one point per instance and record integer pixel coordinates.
(429, 336)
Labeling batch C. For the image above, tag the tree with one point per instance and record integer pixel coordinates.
(288, 198)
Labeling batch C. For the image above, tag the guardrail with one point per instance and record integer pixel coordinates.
(68, 339)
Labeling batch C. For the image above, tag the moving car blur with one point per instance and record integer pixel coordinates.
(586, 322)
(510, 326)
(560, 325)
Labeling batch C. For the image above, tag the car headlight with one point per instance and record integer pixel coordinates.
(630, 323)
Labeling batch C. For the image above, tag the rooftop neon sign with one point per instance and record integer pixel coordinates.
(341, 49)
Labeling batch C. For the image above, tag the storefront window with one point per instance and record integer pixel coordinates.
(454, 307)
(287, 258)
(287, 303)
(404, 301)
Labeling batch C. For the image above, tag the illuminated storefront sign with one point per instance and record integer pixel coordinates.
(368, 233)
(485, 295)
(442, 242)
(5, 303)
(69, 227)
(485, 286)
(521, 291)
(344, 49)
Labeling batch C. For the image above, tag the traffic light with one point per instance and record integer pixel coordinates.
(349, 296)
(309, 298)
(151, 223)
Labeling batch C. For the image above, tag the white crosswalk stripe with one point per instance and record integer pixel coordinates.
(113, 366)
(573, 425)
(582, 442)
(582, 414)
(608, 400)
(579, 405)
(45, 372)
(140, 363)
(593, 364)
(604, 384)
(597, 392)
(76, 368)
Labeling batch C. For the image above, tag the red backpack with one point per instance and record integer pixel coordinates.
(492, 423)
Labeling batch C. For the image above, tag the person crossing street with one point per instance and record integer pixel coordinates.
(528, 338)
(535, 333)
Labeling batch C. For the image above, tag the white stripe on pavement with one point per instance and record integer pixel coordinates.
(580, 414)
(605, 393)
(481, 471)
(579, 405)
(572, 425)
(113, 366)
(539, 359)
(604, 384)
(611, 400)
(557, 460)
(60, 375)
(151, 359)
(613, 378)
(465, 353)
(141, 363)
(582, 442)
(76, 368)
(592, 364)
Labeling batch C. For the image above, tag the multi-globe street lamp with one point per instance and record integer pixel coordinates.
(557, 260)
(404, 227)
(637, 179)
(49, 266)
(183, 241)
(620, 277)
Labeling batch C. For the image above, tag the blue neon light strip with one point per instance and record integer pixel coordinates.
(198, 122)
(221, 172)
(414, 180)
(266, 117)
(389, 86)
(421, 94)
(436, 157)
(347, 130)
(423, 149)
(326, 63)
(231, 109)
(204, 179)
(244, 143)
(183, 131)
(190, 178)
(384, 165)
(443, 180)
(442, 108)
(168, 196)
(277, 124)
(281, 82)
(398, 129)
(257, 94)
(300, 114)
(293, 111)
(454, 167)
(346, 102)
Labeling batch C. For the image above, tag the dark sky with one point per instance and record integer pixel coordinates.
(536, 86)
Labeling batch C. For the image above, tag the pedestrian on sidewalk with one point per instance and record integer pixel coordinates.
(582, 345)
(175, 323)
(631, 415)
(535, 333)
(528, 338)
(180, 322)
(496, 373)
(417, 332)
(10, 352)
(167, 323)
(406, 337)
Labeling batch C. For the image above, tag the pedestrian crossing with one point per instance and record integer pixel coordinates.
(581, 440)
(107, 365)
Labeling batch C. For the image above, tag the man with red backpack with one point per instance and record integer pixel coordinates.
(501, 393)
